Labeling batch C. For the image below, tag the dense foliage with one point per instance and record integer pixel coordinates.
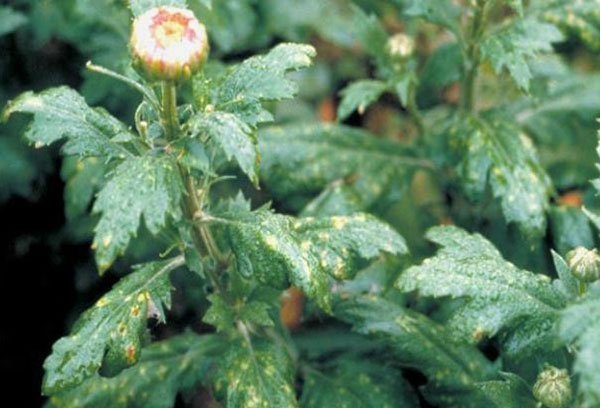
(430, 247)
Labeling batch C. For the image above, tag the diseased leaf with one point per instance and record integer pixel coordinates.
(511, 47)
(83, 178)
(165, 368)
(109, 334)
(62, 113)
(492, 151)
(262, 78)
(256, 376)
(277, 249)
(235, 137)
(452, 368)
(10, 20)
(497, 296)
(140, 186)
(358, 96)
(351, 169)
(349, 382)
(140, 6)
(580, 324)
(441, 12)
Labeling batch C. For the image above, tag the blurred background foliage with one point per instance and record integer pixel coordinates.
(46, 235)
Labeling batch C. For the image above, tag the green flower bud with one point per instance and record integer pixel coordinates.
(168, 43)
(553, 387)
(585, 264)
(400, 46)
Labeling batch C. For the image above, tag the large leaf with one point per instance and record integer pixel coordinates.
(148, 186)
(458, 374)
(512, 46)
(355, 383)
(496, 295)
(109, 334)
(262, 78)
(352, 168)
(493, 151)
(260, 375)
(277, 249)
(62, 113)
(580, 324)
(235, 137)
(165, 368)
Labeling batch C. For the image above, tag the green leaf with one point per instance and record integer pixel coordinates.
(358, 96)
(235, 137)
(580, 324)
(62, 113)
(140, 6)
(10, 20)
(83, 178)
(493, 151)
(567, 283)
(165, 368)
(351, 168)
(262, 78)
(148, 186)
(349, 382)
(496, 295)
(277, 249)
(109, 334)
(453, 368)
(373, 37)
(219, 314)
(570, 228)
(256, 376)
(574, 17)
(512, 46)
(441, 12)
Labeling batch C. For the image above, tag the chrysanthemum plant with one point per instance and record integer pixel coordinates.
(481, 331)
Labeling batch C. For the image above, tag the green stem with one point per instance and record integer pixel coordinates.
(413, 110)
(472, 57)
(169, 117)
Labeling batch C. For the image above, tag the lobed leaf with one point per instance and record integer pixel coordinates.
(165, 368)
(235, 137)
(140, 186)
(492, 151)
(350, 168)
(577, 17)
(440, 12)
(359, 95)
(62, 113)
(512, 46)
(109, 334)
(496, 295)
(277, 249)
(260, 375)
(262, 78)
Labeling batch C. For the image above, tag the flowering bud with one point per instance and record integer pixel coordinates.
(168, 43)
(585, 264)
(553, 387)
(400, 46)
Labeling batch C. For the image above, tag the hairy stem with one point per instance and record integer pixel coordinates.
(169, 117)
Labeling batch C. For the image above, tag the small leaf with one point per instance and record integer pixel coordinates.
(496, 295)
(148, 186)
(219, 314)
(515, 43)
(83, 178)
(62, 113)
(235, 137)
(257, 375)
(165, 368)
(574, 17)
(373, 37)
(10, 20)
(358, 96)
(109, 333)
(277, 249)
(262, 78)
(567, 283)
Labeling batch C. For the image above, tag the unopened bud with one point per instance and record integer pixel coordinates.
(585, 264)
(553, 387)
(400, 46)
(168, 43)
